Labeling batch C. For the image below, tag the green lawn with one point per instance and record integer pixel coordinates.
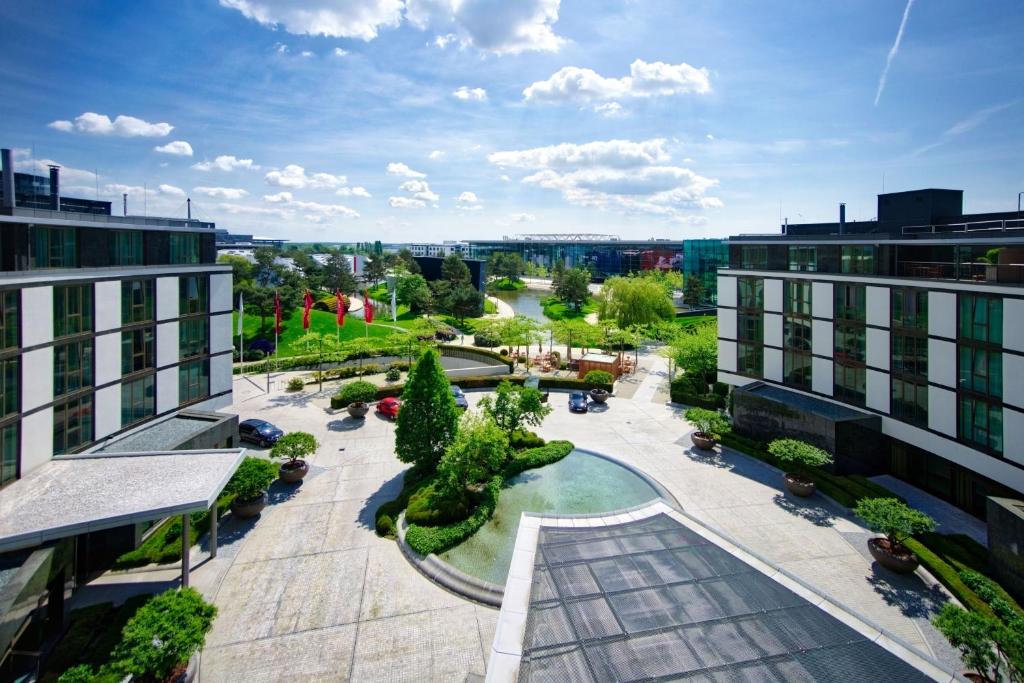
(693, 320)
(319, 321)
(506, 285)
(557, 310)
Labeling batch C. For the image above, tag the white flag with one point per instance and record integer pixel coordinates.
(394, 305)
(241, 313)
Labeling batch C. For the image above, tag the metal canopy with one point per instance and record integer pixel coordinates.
(76, 494)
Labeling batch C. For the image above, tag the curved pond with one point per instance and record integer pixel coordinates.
(579, 483)
(525, 302)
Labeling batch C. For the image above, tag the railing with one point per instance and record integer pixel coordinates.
(976, 272)
(22, 212)
(1002, 225)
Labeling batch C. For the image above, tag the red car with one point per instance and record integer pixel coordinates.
(388, 407)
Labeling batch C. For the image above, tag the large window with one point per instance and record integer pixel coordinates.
(137, 301)
(751, 292)
(193, 381)
(750, 359)
(72, 424)
(72, 367)
(849, 342)
(9, 319)
(849, 383)
(194, 336)
(8, 386)
(796, 368)
(803, 259)
(184, 247)
(910, 308)
(798, 298)
(910, 402)
(850, 302)
(72, 310)
(981, 371)
(126, 248)
(54, 248)
(910, 355)
(753, 257)
(137, 350)
(858, 259)
(138, 400)
(796, 334)
(981, 318)
(8, 454)
(194, 294)
(981, 423)
(750, 327)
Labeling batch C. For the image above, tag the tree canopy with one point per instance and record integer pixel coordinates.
(514, 407)
(428, 420)
(634, 301)
(574, 287)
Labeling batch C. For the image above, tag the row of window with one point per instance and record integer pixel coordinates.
(854, 259)
(54, 247)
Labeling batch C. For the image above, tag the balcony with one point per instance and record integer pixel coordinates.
(1003, 273)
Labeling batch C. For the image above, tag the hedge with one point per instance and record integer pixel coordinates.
(537, 457)
(385, 516)
(476, 352)
(492, 381)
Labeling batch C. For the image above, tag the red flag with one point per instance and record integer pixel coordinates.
(306, 309)
(341, 308)
(367, 309)
(277, 313)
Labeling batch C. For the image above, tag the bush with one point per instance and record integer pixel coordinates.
(477, 453)
(252, 354)
(164, 634)
(426, 540)
(525, 439)
(359, 391)
(82, 673)
(707, 422)
(503, 352)
(251, 479)
(296, 384)
(720, 389)
(294, 445)
(691, 390)
(486, 340)
(795, 452)
(893, 518)
(384, 525)
(436, 504)
(537, 457)
(599, 377)
(393, 375)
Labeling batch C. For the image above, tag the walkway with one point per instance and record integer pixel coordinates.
(311, 593)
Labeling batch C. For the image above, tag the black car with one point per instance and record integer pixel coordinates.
(460, 398)
(259, 432)
(578, 402)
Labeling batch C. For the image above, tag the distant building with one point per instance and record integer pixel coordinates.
(896, 343)
(444, 249)
(430, 267)
(226, 241)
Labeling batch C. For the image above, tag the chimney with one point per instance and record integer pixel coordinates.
(54, 188)
(842, 218)
(8, 175)
(124, 199)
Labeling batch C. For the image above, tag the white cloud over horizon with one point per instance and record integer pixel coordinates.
(466, 93)
(646, 79)
(231, 193)
(177, 148)
(401, 169)
(225, 162)
(295, 177)
(122, 126)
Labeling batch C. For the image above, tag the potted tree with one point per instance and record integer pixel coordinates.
(356, 397)
(708, 427)
(898, 522)
(599, 377)
(800, 453)
(292, 448)
(249, 485)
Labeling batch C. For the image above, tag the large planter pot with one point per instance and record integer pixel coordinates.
(599, 395)
(902, 561)
(249, 508)
(798, 485)
(705, 442)
(358, 409)
(293, 474)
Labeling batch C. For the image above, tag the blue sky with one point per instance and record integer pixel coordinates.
(410, 120)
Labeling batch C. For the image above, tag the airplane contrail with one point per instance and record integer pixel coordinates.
(893, 51)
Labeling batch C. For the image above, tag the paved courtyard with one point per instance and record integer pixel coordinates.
(310, 593)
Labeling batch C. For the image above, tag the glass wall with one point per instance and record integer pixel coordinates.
(137, 350)
(72, 424)
(138, 400)
(54, 247)
(72, 310)
(702, 259)
(8, 454)
(184, 248)
(796, 334)
(194, 294)
(72, 367)
(849, 382)
(193, 381)
(137, 298)
(980, 363)
(126, 248)
(602, 259)
(9, 319)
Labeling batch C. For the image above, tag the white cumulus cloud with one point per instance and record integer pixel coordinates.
(225, 162)
(280, 197)
(221, 192)
(495, 26)
(401, 169)
(615, 153)
(435, 155)
(405, 203)
(356, 191)
(339, 52)
(610, 110)
(122, 126)
(362, 19)
(170, 190)
(177, 148)
(466, 93)
(295, 177)
(469, 198)
(646, 79)
(419, 189)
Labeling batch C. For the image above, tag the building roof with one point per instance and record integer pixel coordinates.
(75, 494)
(651, 594)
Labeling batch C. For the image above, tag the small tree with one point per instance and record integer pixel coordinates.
(375, 269)
(893, 518)
(413, 291)
(428, 420)
(163, 634)
(464, 301)
(321, 343)
(557, 272)
(251, 479)
(514, 407)
(708, 423)
(455, 270)
(359, 391)
(478, 452)
(693, 294)
(574, 287)
(972, 634)
(293, 446)
(696, 351)
(795, 452)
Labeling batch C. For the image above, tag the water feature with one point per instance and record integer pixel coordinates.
(579, 483)
(526, 302)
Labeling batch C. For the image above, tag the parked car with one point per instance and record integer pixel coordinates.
(389, 407)
(577, 402)
(460, 398)
(446, 333)
(259, 432)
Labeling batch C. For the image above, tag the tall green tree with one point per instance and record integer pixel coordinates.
(375, 268)
(634, 301)
(574, 287)
(478, 452)
(337, 274)
(557, 271)
(693, 293)
(409, 261)
(514, 408)
(455, 270)
(428, 420)
(464, 301)
(695, 350)
(413, 291)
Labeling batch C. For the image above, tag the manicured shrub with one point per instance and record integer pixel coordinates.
(294, 446)
(893, 518)
(82, 673)
(359, 391)
(792, 452)
(980, 640)
(385, 526)
(537, 457)
(164, 634)
(707, 422)
(599, 377)
(720, 389)
(436, 504)
(486, 340)
(426, 540)
(525, 439)
(393, 375)
(296, 384)
(251, 479)
(478, 452)
(428, 421)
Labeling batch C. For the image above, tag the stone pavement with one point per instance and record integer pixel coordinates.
(310, 593)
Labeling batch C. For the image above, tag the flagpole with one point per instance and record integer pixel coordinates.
(241, 343)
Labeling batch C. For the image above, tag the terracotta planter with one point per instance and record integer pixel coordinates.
(249, 508)
(293, 475)
(358, 409)
(704, 442)
(599, 395)
(798, 485)
(901, 562)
